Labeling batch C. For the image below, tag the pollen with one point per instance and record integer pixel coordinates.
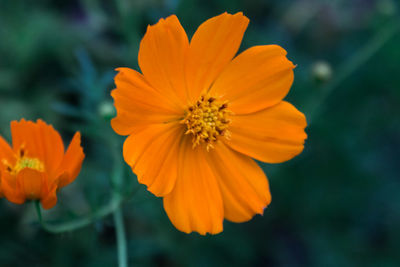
(24, 162)
(207, 120)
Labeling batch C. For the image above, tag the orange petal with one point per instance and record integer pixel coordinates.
(31, 183)
(161, 57)
(72, 162)
(272, 135)
(243, 184)
(39, 140)
(212, 47)
(25, 134)
(195, 204)
(51, 145)
(138, 104)
(50, 199)
(258, 78)
(6, 157)
(11, 189)
(152, 154)
(6, 154)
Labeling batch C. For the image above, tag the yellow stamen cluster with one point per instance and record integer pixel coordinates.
(206, 120)
(32, 163)
(24, 162)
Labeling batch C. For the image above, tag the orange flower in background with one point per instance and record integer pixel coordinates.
(197, 116)
(37, 166)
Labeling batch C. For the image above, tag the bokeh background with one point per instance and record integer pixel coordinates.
(337, 204)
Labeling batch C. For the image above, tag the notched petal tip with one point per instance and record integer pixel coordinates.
(189, 226)
(121, 73)
(164, 21)
(239, 17)
(201, 232)
(237, 14)
(172, 17)
(40, 121)
(242, 16)
(22, 120)
(123, 69)
(16, 123)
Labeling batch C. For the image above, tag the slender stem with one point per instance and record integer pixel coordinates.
(357, 60)
(81, 222)
(38, 211)
(121, 238)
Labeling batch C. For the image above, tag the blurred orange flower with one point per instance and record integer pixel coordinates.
(36, 165)
(197, 115)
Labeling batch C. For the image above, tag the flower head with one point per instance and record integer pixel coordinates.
(196, 117)
(36, 166)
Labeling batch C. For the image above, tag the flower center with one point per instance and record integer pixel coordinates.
(32, 163)
(206, 120)
(24, 162)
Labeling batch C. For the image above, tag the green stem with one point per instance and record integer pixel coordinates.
(38, 211)
(351, 65)
(81, 222)
(121, 238)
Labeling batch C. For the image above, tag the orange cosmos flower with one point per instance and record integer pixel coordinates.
(197, 115)
(36, 165)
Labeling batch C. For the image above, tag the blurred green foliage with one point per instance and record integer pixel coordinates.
(337, 204)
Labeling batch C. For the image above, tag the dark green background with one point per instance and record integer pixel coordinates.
(337, 204)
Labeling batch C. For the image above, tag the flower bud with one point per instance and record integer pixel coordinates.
(321, 71)
(106, 110)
